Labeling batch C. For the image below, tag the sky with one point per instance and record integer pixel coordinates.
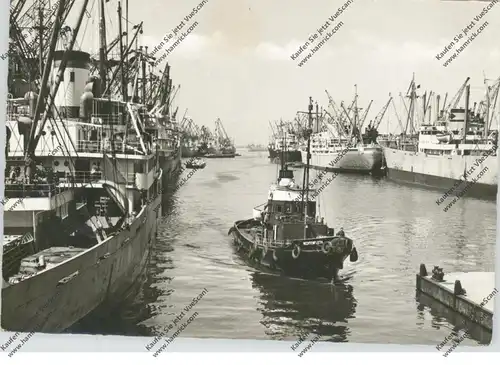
(235, 65)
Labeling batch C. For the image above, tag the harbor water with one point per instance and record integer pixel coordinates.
(395, 228)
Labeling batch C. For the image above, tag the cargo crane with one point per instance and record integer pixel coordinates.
(221, 136)
(338, 119)
(378, 118)
(454, 101)
(30, 49)
(371, 132)
(400, 122)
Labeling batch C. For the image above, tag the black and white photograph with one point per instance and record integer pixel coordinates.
(306, 173)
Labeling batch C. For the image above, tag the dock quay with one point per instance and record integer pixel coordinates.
(470, 294)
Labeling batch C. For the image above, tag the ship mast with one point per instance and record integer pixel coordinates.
(411, 111)
(305, 188)
(355, 127)
(40, 34)
(102, 46)
(466, 121)
(30, 150)
(122, 72)
(283, 148)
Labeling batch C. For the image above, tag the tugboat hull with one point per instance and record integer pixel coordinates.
(305, 260)
(56, 298)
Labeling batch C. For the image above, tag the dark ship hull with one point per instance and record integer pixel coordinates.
(170, 162)
(309, 260)
(289, 156)
(102, 275)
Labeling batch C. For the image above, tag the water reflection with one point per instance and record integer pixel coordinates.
(294, 306)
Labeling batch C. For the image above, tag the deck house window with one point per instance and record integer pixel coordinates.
(139, 167)
(72, 76)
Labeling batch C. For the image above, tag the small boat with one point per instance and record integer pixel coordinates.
(287, 236)
(196, 163)
(220, 155)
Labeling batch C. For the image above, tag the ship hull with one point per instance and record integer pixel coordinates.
(444, 173)
(289, 156)
(309, 263)
(59, 297)
(170, 162)
(367, 160)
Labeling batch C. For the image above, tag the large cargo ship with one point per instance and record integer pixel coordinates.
(342, 155)
(338, 146)
(83, 181)
(457, 154)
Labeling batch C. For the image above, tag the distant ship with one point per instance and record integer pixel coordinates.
(447, 158)
(256, 148)
(220, 145)
(338, 146)
(168, 136)
(344, 155)
(191, 138)
(285, 146)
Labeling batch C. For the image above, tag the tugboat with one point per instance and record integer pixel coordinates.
(196, 163)
(287, 236)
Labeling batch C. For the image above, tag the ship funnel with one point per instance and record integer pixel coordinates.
(285, 176)
(76, 74)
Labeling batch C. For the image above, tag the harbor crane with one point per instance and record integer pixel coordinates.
(378, 118)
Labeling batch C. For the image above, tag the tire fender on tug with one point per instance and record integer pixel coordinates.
(353, 256)
(296, 251)
(327, 247)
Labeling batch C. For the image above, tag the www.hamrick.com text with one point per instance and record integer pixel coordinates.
(176, 323)
(319, 38)
(465, 37)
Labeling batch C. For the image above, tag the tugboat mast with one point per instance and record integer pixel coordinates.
(283, 148)
(305, 188)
